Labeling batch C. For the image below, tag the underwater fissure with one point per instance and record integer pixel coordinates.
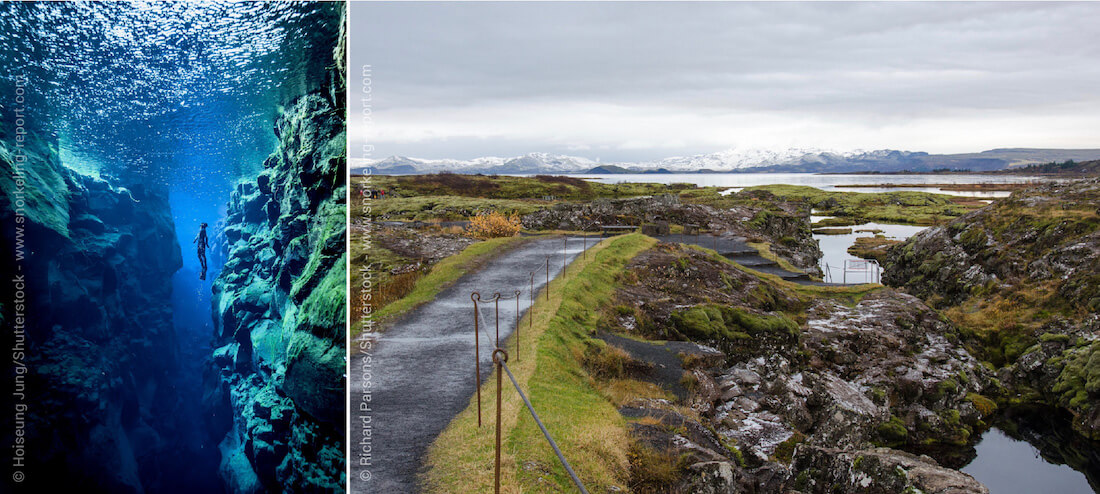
(140, 376)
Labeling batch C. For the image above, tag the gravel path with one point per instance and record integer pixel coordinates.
(417, 374)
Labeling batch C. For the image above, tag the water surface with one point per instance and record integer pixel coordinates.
(823, 181)
(1012, 466)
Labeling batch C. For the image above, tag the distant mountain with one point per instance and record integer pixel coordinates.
(737, 160)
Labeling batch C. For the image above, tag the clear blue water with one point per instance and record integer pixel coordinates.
(177, 97)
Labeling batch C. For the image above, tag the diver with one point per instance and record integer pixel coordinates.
(203, 243)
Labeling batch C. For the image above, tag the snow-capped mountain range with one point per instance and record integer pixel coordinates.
(732, 160)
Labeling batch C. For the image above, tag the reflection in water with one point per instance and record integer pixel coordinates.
(835, 247)
(1036, 450)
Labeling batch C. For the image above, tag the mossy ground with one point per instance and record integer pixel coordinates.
(872, 247)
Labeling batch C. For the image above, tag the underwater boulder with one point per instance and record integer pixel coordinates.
(263, 182)
(314, 377)
(90, 223)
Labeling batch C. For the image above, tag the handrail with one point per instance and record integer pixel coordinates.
(500, 358)
(545, 433)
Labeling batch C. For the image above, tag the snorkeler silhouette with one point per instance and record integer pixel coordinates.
(203, 243)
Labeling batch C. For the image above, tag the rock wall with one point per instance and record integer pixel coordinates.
(1022, 277)
(101, 355)
(275, 388)
(808, 393)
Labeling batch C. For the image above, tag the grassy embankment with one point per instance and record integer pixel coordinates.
(578, 403)
(584, 423)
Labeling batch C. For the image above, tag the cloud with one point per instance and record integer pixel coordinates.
(625, 81)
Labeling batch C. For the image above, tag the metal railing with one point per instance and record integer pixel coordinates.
(500, 360)
(870, 268)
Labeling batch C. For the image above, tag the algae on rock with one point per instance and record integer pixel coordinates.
(279, 309)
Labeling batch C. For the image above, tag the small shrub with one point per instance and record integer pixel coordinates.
(652, 471)
(606, 361)
(494, 224)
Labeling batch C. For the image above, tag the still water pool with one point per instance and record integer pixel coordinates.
(1012, 466)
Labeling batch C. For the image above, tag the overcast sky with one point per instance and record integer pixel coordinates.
(638, 81)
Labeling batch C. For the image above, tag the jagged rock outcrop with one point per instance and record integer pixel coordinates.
(276, 382)
(1022, 276)
(809, 387)
(98, 363)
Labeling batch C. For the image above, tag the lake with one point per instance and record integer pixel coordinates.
(824, 182)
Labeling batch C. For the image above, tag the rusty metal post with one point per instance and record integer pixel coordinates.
(584, 249)
(499, 357)
(518, 293)
(476, 297)
(496, 305)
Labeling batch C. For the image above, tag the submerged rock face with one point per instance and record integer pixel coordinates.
(276, 385)
(99, 348)
(812, 393)
(1023, 275)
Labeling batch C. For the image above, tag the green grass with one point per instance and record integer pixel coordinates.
(581, 419)
(441, 276)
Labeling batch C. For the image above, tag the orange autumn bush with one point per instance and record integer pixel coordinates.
(494, 224)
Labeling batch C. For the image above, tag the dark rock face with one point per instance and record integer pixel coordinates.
(1022, 274)
(276, 385)
(101, 354)
(814, 405)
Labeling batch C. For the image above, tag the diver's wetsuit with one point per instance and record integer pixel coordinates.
(203, 243)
